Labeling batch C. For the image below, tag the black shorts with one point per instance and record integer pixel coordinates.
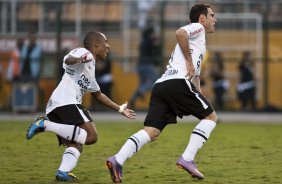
(74, 114)
(175, 98)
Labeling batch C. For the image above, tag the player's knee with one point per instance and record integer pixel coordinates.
(154, 137)
(91, 139)
(153, 133)
(212, 117)
(79, 147)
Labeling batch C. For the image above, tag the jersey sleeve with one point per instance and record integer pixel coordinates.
(77, 53)
(194, 30)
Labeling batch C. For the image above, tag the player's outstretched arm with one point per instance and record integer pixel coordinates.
(74, 59)
(103, 99)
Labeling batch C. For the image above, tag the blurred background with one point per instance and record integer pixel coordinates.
(241, 70)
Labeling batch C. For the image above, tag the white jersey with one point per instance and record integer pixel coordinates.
(77, 79)
(176, 69)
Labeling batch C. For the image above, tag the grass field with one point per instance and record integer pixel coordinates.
(235, 154)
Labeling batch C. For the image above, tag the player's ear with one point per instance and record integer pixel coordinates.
(202, 18)
(97, 42)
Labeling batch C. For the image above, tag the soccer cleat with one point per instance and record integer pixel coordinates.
(35, 128)
(115, 169)
(190, 167)
(66, 176)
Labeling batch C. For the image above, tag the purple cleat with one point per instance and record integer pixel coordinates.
(115, 169)
(190, 167)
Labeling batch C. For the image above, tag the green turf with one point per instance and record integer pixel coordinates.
(235, 154)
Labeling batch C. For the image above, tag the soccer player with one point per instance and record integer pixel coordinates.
(176, 94)
(67, 118)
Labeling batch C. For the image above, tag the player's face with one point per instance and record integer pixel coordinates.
(210, 22)
(102, 49)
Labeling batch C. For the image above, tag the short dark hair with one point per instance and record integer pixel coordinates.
(197, 10)
(91, 37)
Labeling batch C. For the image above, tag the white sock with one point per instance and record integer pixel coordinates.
(69, 160)
(69, 132)
(132, 145)
(199, 136)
